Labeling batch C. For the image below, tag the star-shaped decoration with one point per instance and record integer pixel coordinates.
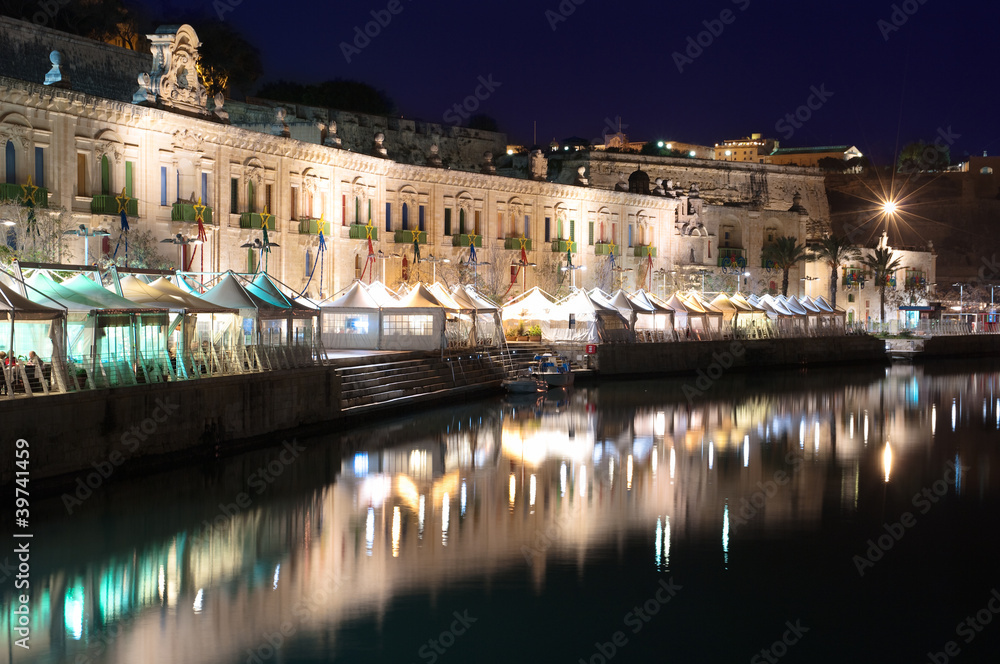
(29, 192)
(613, 247)
(320, 224)
(472, 239)
(123, 202)
(369, 229)
(569, 245)
(523, 241)
(199, 210)
(416, 236)
(265, 218)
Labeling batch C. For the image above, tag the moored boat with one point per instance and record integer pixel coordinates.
(553, 370)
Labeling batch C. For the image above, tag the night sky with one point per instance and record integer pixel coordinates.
(889, 84)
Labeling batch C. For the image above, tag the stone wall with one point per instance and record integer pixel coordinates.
(976, 345)
(667, 358)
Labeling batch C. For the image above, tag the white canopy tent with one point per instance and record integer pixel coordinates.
(415, 322)
(580, 318)
(353, 320)
(655, 315)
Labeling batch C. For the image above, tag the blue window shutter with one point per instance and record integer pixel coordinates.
(204, 188)
(420, 219)
(527, 226)
(388, 217)
(548, 229)
(40, 167)
(11, 158)
(405, 217)
(163, 185)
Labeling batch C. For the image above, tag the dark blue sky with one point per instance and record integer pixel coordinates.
(608, 59)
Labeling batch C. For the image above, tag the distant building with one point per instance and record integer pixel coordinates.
(983, 165)
(754, 148)
(810, 157)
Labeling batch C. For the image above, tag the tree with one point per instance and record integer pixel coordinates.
(882, 266)
(784, 254)
(835, 251)
(494, 278)
(226, 60)
(921, 156)
(36, 235)
(143, 252)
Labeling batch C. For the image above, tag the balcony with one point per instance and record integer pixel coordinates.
(360, 232)
(729, 257)
(406, 237)
(107, 204)
(606, 249)
(465, 239)
(644, 250)
(253, 220)
(515, 243)
(15, 193)
(559, 246)
(311, 227)
(185, 212)
(916, 282)
(853, 278)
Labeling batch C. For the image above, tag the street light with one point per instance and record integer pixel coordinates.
(703, 272)
(475, 269)
(382, 256)
(621, 277)
(961, 299)
(434, 261)
(746, 276)
(86, 234)
(256, 244)
(182, 241)
(524, 273)
(807, 280)
(572, 270)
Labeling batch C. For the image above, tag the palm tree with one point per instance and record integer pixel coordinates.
(835, 251)
(784, 254)
(883, 266)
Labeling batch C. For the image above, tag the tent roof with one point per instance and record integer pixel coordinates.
(356, 297)
(581, 301)
(823, 303)
(445, 298)
(470, 299)
(419, 297)
(795, 306)
(643, 299)
(621, 302)
(694, 297)
(530, 305)
(677, 304)
(809, 305)
(231, 294)
(739, 300)
(775, 305)
(381, 293)
(165, 294)
(22, 307)
(108, 300)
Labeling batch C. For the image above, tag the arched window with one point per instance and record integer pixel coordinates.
(406, 217)
(11, 158)
(105, 176)
(986, 170)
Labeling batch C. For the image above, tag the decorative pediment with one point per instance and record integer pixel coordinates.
(174, 82)
(15, 127)
(185, 139)
(253, 171)
(112, 150)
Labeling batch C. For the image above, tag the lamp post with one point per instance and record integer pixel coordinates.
(524, 274)
(621, 277)
(256, 244)
(181, 242)
(807, 280)
(382, 256)
(434, 261)
(746, 276)
(572, 270)
(703, 272)
(86, 234)
(961, 300)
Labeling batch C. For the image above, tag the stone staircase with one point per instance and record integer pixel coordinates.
(382, 383)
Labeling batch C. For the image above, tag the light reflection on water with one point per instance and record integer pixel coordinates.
(168, 570)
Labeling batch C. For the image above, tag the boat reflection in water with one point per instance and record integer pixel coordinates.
(207, 565)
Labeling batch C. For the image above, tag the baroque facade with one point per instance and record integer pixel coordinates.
(85, 136)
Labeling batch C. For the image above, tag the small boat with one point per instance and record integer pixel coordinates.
(525, 384)
(553, 370)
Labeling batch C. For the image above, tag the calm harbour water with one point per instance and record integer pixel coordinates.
(821, 516)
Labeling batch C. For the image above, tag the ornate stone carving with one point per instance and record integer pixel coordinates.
(581, 179)
(379, 147)
(489, 168)
(538, 165)
(253, 171)
(174, 81)
(280, 127)
(433, 159)
(331, 139)
(185, 139)
(17, 133)
(111, 149)
(220, 112)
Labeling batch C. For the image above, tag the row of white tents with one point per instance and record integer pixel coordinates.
(594, 316)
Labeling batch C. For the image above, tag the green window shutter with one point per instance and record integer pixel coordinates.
(234, 196)
(250, 198)
(461, 222)
(369, 211)
(105, 176)
(590, 232)
(129, 168)
(447, 221)
(357, 210)
(572, 230)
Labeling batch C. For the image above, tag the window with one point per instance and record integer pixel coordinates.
(476, 223)
(513, 274)
(293, 200)
(850, 297)
(420, 218)
(179, 188)
(204, 188)
(548, 229)
(343, 209)
(572, 230)
(590, 233)
(388, 217)
(630, 235)
(251, 202)
(11, 160)
(405, 217)
(527, 226)
(163, 185)
(447, 221)
(461, 221)
(81, 175)
(40, 167)
(129, 178)
(408, 325)
(369, 210)
(345, 324)
(234, 195)
(559, 229)
(268, 203)
(105, 175)
(499, 225)
(357, 210)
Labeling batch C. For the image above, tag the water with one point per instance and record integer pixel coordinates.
(828, 516)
